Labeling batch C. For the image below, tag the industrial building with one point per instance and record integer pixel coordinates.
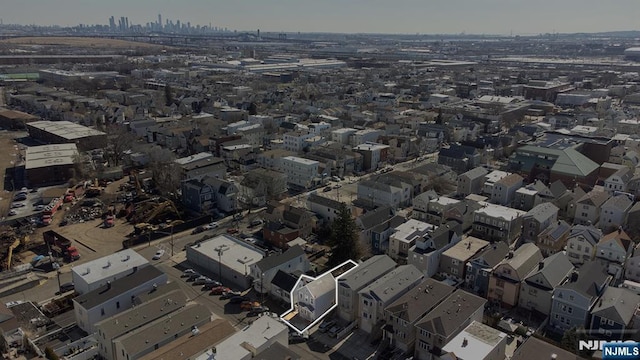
(12, 119)
(66, 132)
(50, 164)
(94, 274)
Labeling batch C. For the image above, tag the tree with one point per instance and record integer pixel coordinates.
(118, 141)
(164, 170)
(168, 95)
(344, 238)
(571, 338)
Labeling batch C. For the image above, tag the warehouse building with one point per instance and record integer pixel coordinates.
(66, 132)
(11, 119)
(50, 164)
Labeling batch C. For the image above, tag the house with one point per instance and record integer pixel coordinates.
(460, 158)
(453, 262)
(633, 222)
(301, 173)
(537, 220)
(504, 190)
(375, 297)
(284, 223)
(438, 207)
(261, 185)
(405, 236)
(531, 195)
(497, 222)
(506, 278)
(490, 180)
(425, 254)
(197, 196)
(632, 268)
(614, 313)
(225, 193)
(383, 191)
(476, 342)
(115, 296)
(200, 165)
(378, 219)
(480, 267)
(350, 284)
(312, 299)
(281, 286)
(553, 238)
(291, 260)
(402, 314)
(421, 205)
(573, 301)
(566, 199)
(536, 349)
(327, 209)
(615, 248)
(581, 244)
(97, 273)
(613, 212)
(618, 181)
(472, 181)
(462, 213)
(452, 316)
(537, 287)
(374, 155)
(589, 206)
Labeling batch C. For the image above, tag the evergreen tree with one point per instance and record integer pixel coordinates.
(168, 95)
(343, 238)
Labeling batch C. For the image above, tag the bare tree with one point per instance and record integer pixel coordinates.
(165, 171)
(118, 141)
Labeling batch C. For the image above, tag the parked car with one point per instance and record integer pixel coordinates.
(158, 254)
(193, 277)
(20, 197)
(337, 186)
(198, 230)
(296, 338)
(238, 299)
(67, 287)
(12, 213)
(232, 230)
(17, 205)
(256, 222)
(257, 310)
(201, 280)
(333, 332)
(188, 272)
(219, 290)
(39, 208)
(213, 225)
(211, 284)
(325, 326)
(230, 294)
(327, 189)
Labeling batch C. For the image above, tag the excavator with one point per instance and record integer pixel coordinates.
(16, 243)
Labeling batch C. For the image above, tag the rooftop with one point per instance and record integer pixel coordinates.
(536, 349)
(419, 300)
(465, 248)
(499, 211)
(394, 282)
(367, 272)
(51, 155)
(236, 254)
(109, 266)
(300, 160)
(447, 317)
(65, 129)
(476, 341)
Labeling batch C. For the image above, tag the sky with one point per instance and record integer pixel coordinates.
(518, 17)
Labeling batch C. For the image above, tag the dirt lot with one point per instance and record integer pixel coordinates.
(79, 42)
(8, 154)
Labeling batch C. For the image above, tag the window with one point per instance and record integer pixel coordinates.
(424, 345)
(102, 312)
(117, 304)
(610, 322)
(500, 283)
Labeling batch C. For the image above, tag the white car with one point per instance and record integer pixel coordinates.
(213, 225)
(158, 254)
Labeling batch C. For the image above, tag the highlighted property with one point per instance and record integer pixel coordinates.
(312, 298)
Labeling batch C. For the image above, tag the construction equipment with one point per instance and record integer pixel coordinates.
(153, 212)
(61, 246)
(17, 243)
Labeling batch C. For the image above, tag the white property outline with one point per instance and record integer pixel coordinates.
(315, 278)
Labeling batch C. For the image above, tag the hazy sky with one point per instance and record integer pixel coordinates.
(352, 16)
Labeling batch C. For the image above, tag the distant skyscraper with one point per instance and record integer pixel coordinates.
(160, 20)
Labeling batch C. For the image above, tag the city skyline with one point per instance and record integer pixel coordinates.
(357, 16)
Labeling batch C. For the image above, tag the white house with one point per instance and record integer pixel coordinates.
(300, 171)
(490, 179)
(292, 260)
(615, 247)
(94, 274)
(613, 212)
(632, 268)
(294, 141)
(619, 180)
(588, 207)
(425, 254)
(504, 190)
(313, 298)
(581, 244)
(405, 236)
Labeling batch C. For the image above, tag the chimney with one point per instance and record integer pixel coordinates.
(510, 255)
(574, 276)
(109, 285)
(465, 342)
(554, 356)
(540, 265)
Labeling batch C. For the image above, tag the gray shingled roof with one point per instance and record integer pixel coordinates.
(367, 272)
(524, 259)
(542, 212)
(420, 300)
(494, 253)
(617, 304)
(590, 233)
(393, 283)
(475, 173)
(376, 217)
(447, 317)
(591, 278)
(273, 261)
(555, 269)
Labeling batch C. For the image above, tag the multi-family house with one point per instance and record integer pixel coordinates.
(472, 181)
(614, 249)
(403, 313)
(480, 267)
(459, 157)
(537, 220)
(383, 191)
(294, 141)
(463, 213)
(453, 262)
(553, 238)
(350, 284)
(491, 179)
(614, 312)
(446, 321)
(200, 165)
(291, 260)
(327, 209)
(632, 268)
(405, 236)
(476, 342)
(531, 195)
(375, 227)
(535, 349)
(425, 254)
(286, 223)
(282, 285)
(313, 298)
(381, 293)
(421, 205)
(504, 190)
(573, 301)
(537, 287)
(613, 212)
(506, 278)
(224, 192)
(261, 185)
(497, 223)
(566, 199)
(618, 181)
(301, 172)
(589, 206)
(438, 207)
(581, 244)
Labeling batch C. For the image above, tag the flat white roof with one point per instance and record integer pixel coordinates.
(444, 200)
(50, 155)
(192, 158)
(370, 146)
(300, 160)
(109, 266)
(65, 129)
(495, 176)
(411, 229)
(236, 254)
(344, 130)
(498, 211)
(261, 331)
(476, 341)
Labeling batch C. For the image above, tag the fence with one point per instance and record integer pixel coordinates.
(155, 235)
